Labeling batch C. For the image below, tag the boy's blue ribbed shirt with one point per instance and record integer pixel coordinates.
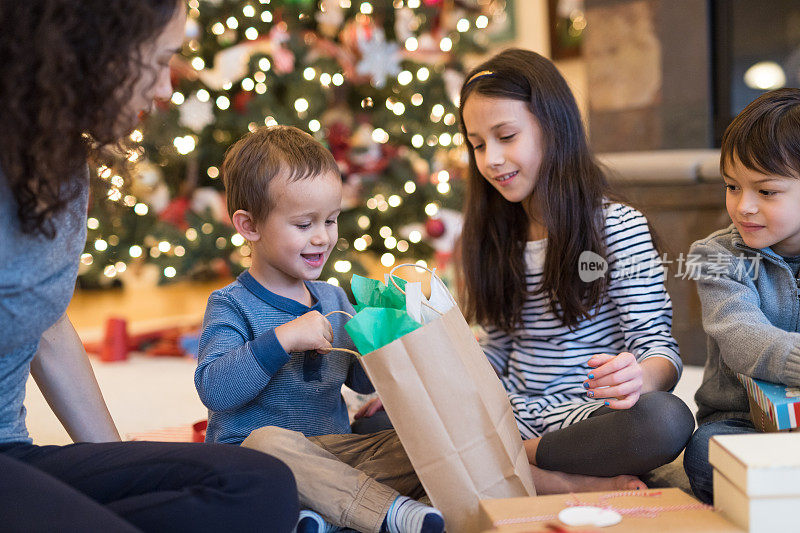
(248, 381)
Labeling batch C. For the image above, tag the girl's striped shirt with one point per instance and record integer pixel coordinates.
(543, 364)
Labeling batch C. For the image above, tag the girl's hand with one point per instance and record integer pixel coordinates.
(369, 408)
(619, 376)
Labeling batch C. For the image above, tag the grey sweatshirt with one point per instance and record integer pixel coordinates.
(751, 315)
(37, 279)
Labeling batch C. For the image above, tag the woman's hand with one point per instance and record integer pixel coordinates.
(369, 408)
(617, 377)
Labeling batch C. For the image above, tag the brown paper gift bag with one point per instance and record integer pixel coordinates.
(453, 418)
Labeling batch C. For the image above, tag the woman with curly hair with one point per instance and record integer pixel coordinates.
(76, 76)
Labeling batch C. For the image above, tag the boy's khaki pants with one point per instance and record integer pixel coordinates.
(351, 480)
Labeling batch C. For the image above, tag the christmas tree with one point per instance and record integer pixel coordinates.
(375, 81)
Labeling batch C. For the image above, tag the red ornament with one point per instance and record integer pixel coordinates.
(175, 212)
(220, 267)
(338, 136)
(434, 227)
(241, 100)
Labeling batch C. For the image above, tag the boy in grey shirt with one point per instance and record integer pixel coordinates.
(747, 282)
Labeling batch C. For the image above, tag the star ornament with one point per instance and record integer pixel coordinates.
(379, 59)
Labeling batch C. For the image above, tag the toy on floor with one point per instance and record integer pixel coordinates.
(117, 342)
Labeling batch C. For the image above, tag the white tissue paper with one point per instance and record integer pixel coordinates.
(441, 300)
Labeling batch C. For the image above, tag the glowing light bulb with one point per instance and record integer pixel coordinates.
(387, 259)
(301, 105)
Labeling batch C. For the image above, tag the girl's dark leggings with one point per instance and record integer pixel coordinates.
(613, 442)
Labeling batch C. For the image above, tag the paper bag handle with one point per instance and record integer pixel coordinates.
(353, 352)
(433, 274)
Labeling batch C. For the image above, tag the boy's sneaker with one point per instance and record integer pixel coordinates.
(311, 522)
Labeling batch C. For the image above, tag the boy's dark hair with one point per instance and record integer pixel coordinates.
(765, 136)
(262, 155)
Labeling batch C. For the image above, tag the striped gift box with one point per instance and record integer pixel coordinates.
(774, 407)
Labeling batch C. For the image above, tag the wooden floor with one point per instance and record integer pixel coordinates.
(180, 303)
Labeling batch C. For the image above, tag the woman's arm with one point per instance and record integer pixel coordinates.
(65, 377)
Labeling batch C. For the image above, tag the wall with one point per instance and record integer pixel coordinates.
(648, 64)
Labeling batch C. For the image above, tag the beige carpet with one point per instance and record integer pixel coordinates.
(146, 393)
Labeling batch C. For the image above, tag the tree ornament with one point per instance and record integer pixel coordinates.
(241, 100)
(404, 23)
(452, 84)
(379, 59)
(175, 213)
(209, 200)
(194, 114)
(148, 185)
(364, 151)
(230, 66)
(434, 227)
(282, 57)
(330, 17)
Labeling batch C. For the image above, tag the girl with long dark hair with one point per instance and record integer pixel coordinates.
(77, 75)
(567, 283)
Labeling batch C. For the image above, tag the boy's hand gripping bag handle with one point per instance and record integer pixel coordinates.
(346, 350)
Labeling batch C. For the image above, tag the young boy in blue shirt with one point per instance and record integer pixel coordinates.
(268, 368)
(748, 283)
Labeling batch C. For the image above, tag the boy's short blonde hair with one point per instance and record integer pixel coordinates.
(264, 154)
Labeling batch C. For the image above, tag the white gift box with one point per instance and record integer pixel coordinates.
(757, 480)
